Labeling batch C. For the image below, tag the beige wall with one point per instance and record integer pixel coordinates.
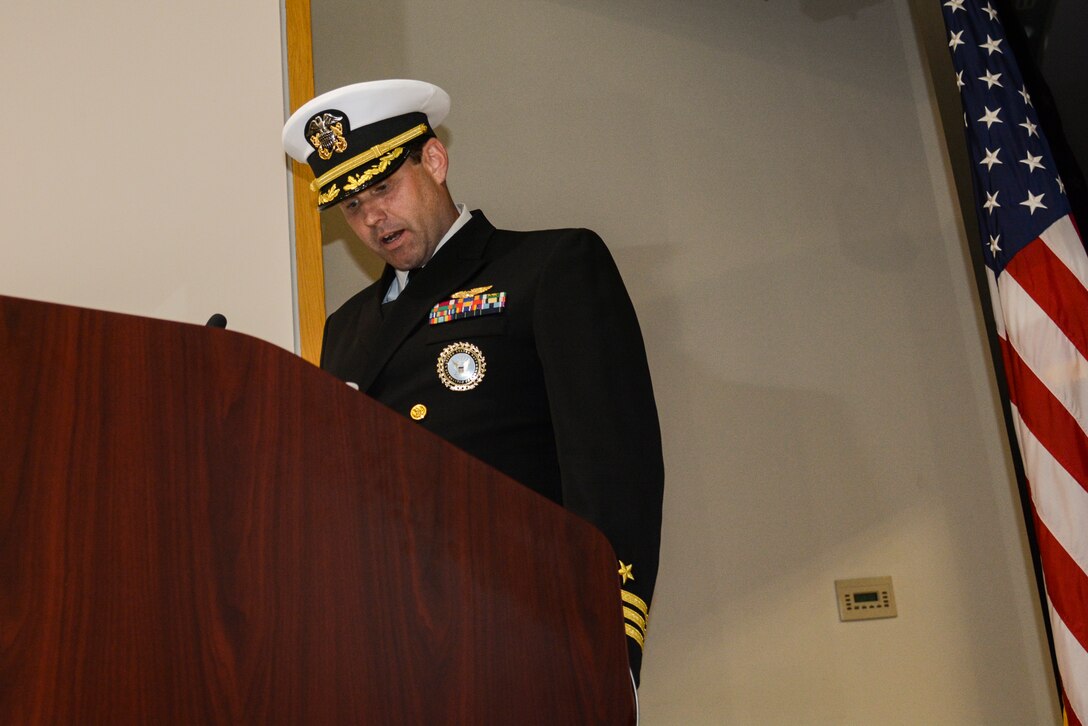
(771, 180)
(143, 165)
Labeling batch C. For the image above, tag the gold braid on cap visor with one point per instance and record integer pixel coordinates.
(369, 155)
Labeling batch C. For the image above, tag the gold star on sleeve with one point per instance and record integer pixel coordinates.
(625, 572)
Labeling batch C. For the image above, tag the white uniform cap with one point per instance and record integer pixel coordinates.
(354, 136)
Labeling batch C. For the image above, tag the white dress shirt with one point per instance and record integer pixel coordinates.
(400, 278)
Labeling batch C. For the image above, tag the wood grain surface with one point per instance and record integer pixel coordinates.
(198, 527)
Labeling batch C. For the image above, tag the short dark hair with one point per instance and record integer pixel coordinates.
(415, 149)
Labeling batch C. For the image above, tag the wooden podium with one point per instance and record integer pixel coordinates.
(199, 527)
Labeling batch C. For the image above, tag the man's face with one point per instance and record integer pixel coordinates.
(403, 217)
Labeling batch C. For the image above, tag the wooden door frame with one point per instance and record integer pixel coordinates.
(309, 267)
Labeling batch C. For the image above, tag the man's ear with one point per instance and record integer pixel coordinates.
(435, 159)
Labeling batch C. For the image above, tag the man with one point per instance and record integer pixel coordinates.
(522, 348)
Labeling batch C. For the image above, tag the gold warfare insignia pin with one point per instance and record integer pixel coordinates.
(470, 293)
(326, 132)
(461, 366)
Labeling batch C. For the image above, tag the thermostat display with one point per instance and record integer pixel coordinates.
(866, 598)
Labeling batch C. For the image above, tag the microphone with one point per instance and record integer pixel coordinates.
(217, 321)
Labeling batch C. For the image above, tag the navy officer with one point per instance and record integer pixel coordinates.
(522, 348)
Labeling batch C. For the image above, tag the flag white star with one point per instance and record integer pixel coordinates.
(991, 159)
(990, 11)
(1033, 162)
(1030, 128)
(1061, 184)
(1027, 96)
(955, 40)
(991, 79)
(1034, 202)
(955, 5)
(990, 118)
(994, 246)
(991, 45)
(991, 201)
(959, 81)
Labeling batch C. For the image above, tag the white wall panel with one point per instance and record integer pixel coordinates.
(143, 166)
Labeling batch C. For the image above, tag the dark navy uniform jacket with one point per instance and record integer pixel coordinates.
(564, 406)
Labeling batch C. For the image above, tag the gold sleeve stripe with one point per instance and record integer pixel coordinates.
(634, 633)
(372, 153)
(637, 601)
(634, 617)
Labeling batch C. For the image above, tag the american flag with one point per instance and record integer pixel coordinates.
(1038, 276)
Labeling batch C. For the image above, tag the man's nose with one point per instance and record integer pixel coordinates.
(373, 214)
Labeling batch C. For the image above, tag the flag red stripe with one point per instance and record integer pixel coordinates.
(1054, 288)
(1066, 583)
(1052, 424)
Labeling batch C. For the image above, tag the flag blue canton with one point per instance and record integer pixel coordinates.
(1017, 188)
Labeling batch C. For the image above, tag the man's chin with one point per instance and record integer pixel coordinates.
(405, 258)
(402, 263)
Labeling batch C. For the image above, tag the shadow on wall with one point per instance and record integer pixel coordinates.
(777, 471)
(821, 10)
(705, 20)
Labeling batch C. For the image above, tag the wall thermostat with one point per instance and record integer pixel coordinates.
(866, 598)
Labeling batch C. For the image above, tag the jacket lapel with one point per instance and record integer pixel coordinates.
(456, 262)
(349, 355)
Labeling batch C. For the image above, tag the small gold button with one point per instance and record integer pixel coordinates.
(418, 412)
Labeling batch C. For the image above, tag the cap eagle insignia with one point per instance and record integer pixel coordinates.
(327, 135)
